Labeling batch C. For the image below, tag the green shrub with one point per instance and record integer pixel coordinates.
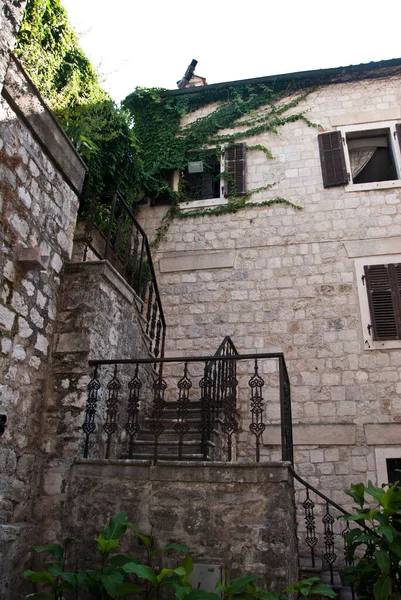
(120, 575)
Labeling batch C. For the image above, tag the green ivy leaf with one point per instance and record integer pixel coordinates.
(382, 588)
(141, 571)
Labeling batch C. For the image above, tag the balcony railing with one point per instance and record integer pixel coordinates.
(186, 408)
(111, 232)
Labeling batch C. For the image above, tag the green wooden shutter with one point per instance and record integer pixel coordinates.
(332, 159)
(383, 284)
(235, 167)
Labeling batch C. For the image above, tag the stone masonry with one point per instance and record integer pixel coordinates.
(38, 212)
(277, 279)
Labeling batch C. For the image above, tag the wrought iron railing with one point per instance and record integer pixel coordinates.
(324, 535)
(111, 232)
(187, 408)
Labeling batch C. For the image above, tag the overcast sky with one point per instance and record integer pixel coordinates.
(150, 43)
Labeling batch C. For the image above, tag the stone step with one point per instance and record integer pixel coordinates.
(150, 456)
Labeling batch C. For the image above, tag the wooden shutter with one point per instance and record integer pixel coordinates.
(332, 159)
(383, 283)
(235, 167)
(398, 132)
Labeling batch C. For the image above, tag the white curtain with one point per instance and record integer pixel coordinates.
(362, 149)
(359, 158)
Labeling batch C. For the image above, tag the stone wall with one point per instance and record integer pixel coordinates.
(11, 12)
(240, 517)
(38, 211)
(277, 279)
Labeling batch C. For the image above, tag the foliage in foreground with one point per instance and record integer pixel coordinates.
(120, 575)
(375, 549)
(101, 132)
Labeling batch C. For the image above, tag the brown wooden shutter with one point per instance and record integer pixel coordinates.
(398, 132)
(383, 283)
(332, 159)
(235, 167)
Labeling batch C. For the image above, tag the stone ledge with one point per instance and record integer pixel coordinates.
(366, 116)
(383, 434)
(219, 472)
(375, 247)
(25, 100)
(313, 435)
(106, 270)
(196, 260)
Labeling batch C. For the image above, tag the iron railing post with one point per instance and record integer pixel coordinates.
(287, 446)
(109, 233)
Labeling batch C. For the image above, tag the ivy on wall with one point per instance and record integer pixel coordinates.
(236, 113)
(102, 133)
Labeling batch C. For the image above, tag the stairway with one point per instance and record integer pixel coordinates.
(306, 570)
(169, 440)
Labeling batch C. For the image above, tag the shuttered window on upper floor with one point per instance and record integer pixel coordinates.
(235, 159)
(332, 159)
(361, 155)
(383, 284)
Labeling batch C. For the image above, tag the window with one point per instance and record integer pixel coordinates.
(393, 469)
(366, 157)
(212, 178)
(202, 178)
(379, 289)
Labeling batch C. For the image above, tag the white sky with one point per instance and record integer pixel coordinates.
(150, 43)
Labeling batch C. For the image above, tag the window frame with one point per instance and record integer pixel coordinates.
(223, 199)
(395, 150)
(360, 263)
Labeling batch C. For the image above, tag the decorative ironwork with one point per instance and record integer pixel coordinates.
(218, 421)
(207, 411)
(149, 302)
(311, 539)
(156, 424)
(287, 444)
(229, 396)
(182, 425)
(329, 555)
(257, 425)
(126, 246)
(153, 324)
(90, 411)
(111, 426)
(132, 427)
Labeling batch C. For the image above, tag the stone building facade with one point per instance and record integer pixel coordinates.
(279, 279)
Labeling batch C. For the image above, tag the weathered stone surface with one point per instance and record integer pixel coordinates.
(237, 516)
(322, 435)
(20, 91)
(190, 261)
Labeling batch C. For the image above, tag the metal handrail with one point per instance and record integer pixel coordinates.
(147, 289)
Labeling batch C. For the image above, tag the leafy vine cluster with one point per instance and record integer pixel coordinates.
(136, 147)
(234, 114)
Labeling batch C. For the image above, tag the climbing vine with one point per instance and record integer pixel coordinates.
(101, 132)
(232, 114)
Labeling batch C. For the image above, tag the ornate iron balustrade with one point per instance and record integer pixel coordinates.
(324, 533)
(190, 408)
(111, 232)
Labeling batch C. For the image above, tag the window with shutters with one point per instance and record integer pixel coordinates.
(362, 157)
(379, 286)
(216, 177)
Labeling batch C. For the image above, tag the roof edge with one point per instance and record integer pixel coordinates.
(332, 75)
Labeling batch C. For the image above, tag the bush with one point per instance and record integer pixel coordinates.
(121, 575)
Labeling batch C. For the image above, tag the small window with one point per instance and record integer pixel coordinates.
(393, 469)
(215, 175)
(203, 181)
(383, 286)
(367, 157)
(371, 156)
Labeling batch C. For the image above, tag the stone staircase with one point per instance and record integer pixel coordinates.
(168, 441)
(306, 570)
